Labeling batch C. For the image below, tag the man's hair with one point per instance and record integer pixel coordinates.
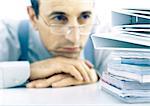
(35, 6)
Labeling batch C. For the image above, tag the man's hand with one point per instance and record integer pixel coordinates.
(60, 80)
(68, 80)
(76, 69)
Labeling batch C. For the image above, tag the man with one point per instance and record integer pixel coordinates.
(57, 37)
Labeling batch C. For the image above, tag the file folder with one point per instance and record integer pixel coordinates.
(109, 41)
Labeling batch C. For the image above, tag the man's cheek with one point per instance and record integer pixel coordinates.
(53, 43)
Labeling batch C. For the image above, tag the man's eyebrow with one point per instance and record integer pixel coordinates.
(86, 12)
(56, 13)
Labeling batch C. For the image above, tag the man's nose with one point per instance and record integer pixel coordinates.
(74, 35)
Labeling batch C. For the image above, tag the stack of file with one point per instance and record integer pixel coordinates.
(127, 74)
(133, 23)
(128, 77)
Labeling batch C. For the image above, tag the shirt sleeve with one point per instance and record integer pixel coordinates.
(12, 72)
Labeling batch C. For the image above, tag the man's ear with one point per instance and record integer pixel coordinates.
(32, 16)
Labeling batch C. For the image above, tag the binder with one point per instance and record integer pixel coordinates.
(124, 83)
(130, 31)
(112, 41)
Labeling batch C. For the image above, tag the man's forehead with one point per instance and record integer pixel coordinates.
(66, 0)
(56, 2)
(67, 6)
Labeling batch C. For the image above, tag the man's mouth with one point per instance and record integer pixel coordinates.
(69, 49)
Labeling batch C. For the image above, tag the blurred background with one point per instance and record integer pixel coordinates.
(13, 9)
(16, 9)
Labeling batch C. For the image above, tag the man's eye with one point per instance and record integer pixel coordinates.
(84, 17)
(60, 18)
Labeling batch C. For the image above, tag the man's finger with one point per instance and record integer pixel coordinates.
(83, 72)
(53, 79)
(44, 71)
(89, 64)
(70, 69)
(91, 72)
(44, 83)
(77, 66)
(93, 75)
(67, 82)
(32, 84)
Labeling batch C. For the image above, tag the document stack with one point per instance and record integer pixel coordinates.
(127, 74)
(133, 23)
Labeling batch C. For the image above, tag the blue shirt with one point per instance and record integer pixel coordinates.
(14, 72)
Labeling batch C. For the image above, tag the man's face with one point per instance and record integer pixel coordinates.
(64, 25)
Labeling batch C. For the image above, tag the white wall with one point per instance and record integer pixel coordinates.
(14, 9)
(104, 7)
(123, 3)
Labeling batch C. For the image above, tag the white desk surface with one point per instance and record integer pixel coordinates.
(78, 95)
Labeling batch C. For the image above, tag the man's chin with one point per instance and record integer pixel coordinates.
(68, 55)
